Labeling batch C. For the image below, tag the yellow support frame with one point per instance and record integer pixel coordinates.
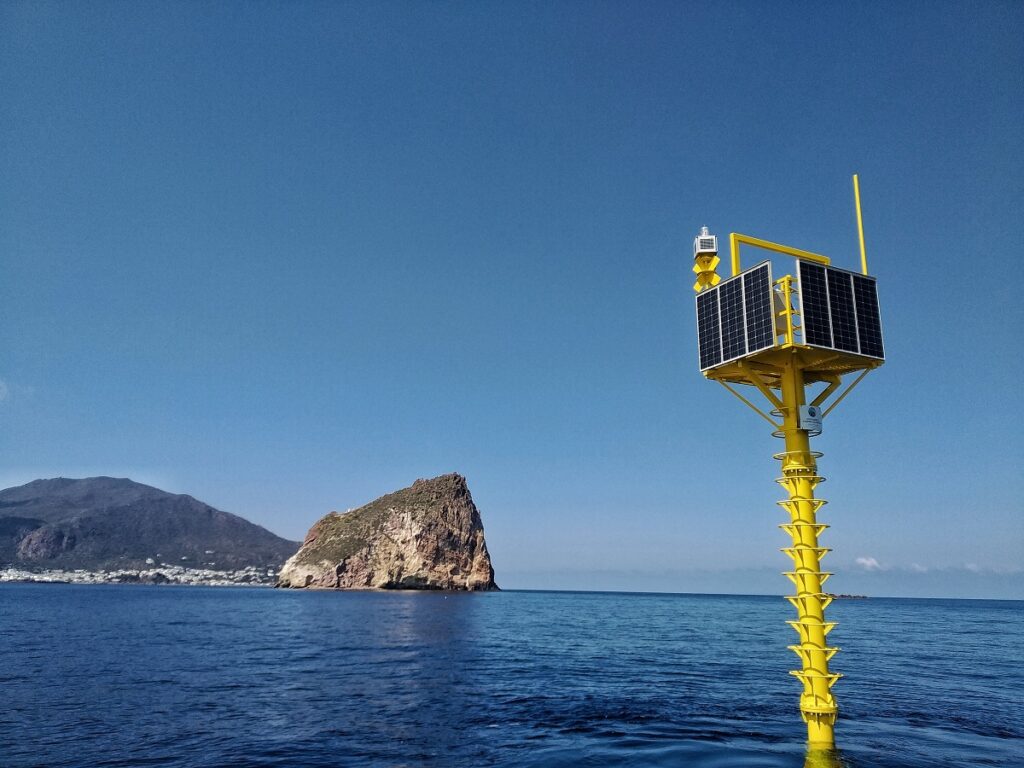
(782, 374)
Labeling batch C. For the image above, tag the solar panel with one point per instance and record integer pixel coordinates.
(709, 335)
(844, 321)
(840, 310)
(735, 319)
(734, 332)
(869, 322)
(757, 298)
(814, 305)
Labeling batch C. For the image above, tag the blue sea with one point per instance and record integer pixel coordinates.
(193, 676)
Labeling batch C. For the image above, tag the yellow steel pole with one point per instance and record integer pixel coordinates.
(800, 478)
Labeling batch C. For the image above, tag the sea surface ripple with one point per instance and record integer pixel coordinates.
(193, 677)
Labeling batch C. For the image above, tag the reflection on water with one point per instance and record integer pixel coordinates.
(426, 639)
(388, 673)
(824, 758)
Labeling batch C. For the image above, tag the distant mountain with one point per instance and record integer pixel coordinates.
(107, 522)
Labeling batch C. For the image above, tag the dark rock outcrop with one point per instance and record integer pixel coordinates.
(427, 536)
(110, 523)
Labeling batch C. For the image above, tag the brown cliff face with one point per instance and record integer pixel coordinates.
(427, 536)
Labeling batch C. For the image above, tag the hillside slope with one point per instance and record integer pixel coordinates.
(106, 522)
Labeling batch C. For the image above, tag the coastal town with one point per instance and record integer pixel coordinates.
(157, 574)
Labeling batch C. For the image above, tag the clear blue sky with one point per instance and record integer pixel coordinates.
(286, 257)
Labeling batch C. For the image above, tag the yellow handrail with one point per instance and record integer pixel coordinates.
(735, 238)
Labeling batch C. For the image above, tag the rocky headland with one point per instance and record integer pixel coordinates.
(427, 536)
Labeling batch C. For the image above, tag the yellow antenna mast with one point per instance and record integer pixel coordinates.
(860, 226)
